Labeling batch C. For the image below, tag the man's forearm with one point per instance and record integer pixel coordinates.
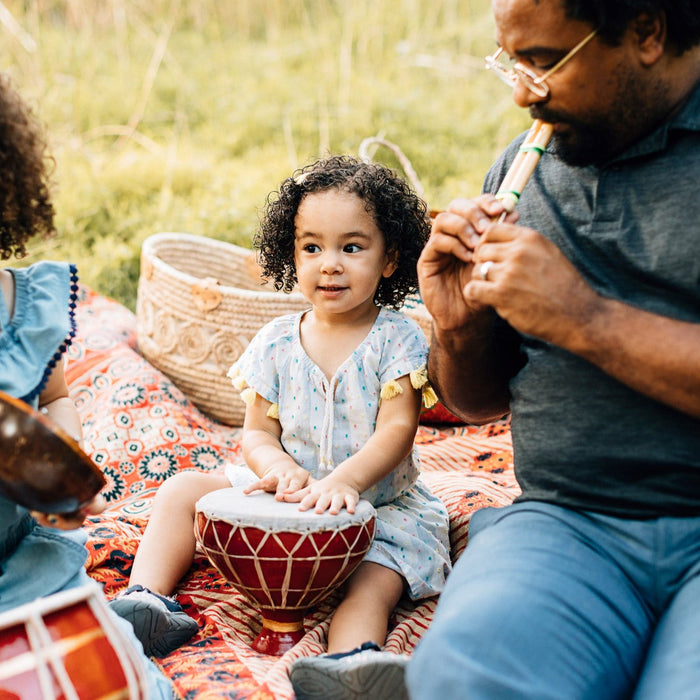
(652, 354)
(466, 373)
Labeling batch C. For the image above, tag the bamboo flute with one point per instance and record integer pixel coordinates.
(521, 168)
(524, 164)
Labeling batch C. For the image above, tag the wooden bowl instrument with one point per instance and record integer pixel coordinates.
(41, 467)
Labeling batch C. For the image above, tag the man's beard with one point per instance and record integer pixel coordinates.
(597, 137)
(579, 144)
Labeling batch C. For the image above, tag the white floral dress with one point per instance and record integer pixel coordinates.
(324, 422)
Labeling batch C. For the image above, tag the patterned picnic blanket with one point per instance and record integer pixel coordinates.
(140, 429)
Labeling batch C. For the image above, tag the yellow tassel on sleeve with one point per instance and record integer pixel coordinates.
(419, 377)
(239, 382)
(248, 396)
(429, 396)
(390, 389)
(237, 379)
(273, 411)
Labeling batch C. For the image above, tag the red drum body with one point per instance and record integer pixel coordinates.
(67, 647)
(282, 559)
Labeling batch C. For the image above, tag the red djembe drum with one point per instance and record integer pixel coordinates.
(67, 646)
(282, 559)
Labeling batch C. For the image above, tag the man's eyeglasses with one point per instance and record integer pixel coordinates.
(511, 74)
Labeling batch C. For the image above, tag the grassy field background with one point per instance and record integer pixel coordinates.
(181, 115)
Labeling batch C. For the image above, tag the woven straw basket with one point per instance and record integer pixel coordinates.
(199, 305)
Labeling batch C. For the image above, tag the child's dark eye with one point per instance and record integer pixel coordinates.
(352, 248)
(311, 248)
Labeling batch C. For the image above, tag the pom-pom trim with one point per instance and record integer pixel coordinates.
(53, 362)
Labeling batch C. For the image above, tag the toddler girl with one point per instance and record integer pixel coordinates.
(333, 398)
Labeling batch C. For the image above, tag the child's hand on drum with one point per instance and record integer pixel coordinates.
(282, 479)
(329, 493)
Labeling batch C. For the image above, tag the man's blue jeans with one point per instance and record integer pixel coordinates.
(551, 603)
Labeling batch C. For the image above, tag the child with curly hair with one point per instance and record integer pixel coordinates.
(348, 235)
(40, 554)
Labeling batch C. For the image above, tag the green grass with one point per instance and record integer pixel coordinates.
(183, 115)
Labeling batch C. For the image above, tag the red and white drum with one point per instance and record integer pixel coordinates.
(68, 647)
(284, 560)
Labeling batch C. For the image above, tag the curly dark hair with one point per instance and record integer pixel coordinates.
(25, 202)
(399, 213)
(612, 17)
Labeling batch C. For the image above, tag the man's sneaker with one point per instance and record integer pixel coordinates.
(365, 673)
(159, 622)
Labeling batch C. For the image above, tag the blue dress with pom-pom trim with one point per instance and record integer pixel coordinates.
(35, 336)
(36, 561)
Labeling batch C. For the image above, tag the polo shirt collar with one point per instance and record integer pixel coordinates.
(686, 119)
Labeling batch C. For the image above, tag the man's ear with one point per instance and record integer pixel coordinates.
(392, 262)
(649, 31)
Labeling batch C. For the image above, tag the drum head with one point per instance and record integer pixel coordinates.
(260, 509)
(41, 467)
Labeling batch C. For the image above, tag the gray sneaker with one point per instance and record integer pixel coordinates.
(159, 623)
(361, 674)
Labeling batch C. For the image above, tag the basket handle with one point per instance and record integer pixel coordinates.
(411, 174)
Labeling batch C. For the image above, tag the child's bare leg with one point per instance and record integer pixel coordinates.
(168, 544)
(372, 594)
(165, 554)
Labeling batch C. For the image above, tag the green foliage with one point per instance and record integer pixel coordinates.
(181, 115)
